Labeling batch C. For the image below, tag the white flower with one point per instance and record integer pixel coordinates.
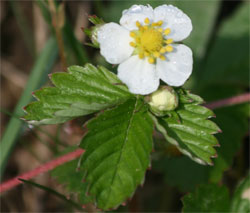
(143, 46)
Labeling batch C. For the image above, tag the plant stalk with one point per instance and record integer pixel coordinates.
(243, 98)
(41, 169)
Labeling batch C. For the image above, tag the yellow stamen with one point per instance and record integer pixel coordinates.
(162, 57)
(141, 29)
(151, 40)
(169, 48)
(156, 54)
(167, 31)
(151, 60)
(160, 23)
(160, 30)
(162, 50)
(146, 20)
(132, 34)
(141, 55)
(132, 44)
(169, 41)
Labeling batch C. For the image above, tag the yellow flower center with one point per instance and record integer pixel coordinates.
(149, 41)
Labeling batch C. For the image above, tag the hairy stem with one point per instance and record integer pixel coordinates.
(57, 23)
(243, 98)
(41, 169)
(77, 153)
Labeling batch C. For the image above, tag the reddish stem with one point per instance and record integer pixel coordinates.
(73, 155)
(229, 101)
(41, 169)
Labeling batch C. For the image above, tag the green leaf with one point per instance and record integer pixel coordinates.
(207, 198)
(71, 176)
(81, 91)
(241, 197)
(228, 59)
(189, 129)
(117, 144)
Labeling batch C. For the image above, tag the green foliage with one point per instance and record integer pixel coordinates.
(212, 198)
(241, 197)
(181, 172)
(43, 64)
(70, 175)
(230, 139)
(207, 198)
(119, 139)
(117, 144)
(189, 129)
(228, 59)
(81, 91)
(225, 73)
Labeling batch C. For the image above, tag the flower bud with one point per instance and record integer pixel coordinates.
(92, 31)
(163, 100)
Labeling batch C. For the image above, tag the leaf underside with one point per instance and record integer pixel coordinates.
(118, 146)
(80, 91)
(189, 129)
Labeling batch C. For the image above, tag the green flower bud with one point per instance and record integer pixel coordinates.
(92, 31)
(163, 100)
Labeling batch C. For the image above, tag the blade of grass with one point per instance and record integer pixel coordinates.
(68, 34)
(57, 194)
(43, 64)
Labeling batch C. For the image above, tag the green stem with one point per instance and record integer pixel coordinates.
(43, 64)
(68, 35)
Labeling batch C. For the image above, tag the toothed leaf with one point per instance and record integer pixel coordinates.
(189, 129)
(71, 177)
(80, 91)
(117, 144)
(207, 198)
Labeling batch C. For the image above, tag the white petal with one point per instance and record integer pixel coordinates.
(114, 43)
(136, 13)
(177, 67)
(173, 18)
(140, 76)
